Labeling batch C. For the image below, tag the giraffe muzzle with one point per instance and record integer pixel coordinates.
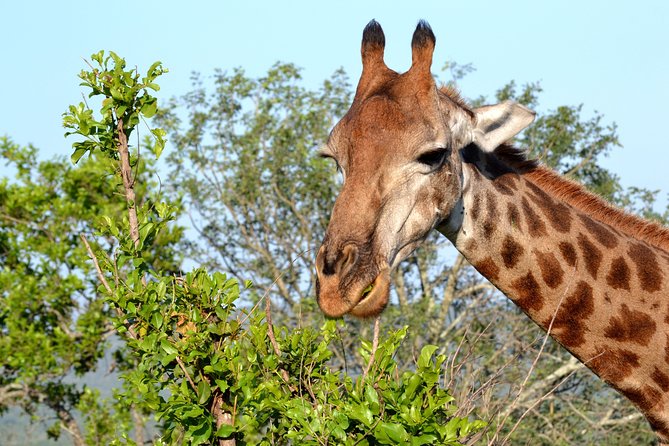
(340, 290)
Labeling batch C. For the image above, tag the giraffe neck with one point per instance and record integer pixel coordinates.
(600, 289)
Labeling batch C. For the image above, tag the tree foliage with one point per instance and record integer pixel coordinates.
(55, 325)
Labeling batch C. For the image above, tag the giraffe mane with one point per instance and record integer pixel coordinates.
(452, 93)
(576, 195)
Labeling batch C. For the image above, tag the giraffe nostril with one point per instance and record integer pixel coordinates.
(349, 257)
(341, 263)
(329, 266)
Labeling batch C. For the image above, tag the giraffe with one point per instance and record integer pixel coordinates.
(416, 157)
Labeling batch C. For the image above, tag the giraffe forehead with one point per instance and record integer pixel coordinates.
(385, 125)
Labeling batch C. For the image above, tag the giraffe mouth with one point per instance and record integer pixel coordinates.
(374, 297)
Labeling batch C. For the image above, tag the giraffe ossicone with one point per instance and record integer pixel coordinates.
(416, 157)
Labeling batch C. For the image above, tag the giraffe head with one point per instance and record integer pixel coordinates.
(398, 149)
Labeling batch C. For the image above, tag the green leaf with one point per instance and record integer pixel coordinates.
(362, 414)
(222, 385)
(390, 433)
(425, 358)
(78, 153)
(203, 391)
(225, 431)
(414, 381)
(157, 320)
(425, 439)
(150, 108)
(372, 399)
(159, 144)
(201, 433)
(168, 347)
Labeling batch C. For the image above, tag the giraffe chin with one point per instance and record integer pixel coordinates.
(375, 300)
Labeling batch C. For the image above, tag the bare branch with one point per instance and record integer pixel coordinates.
(221, 417)
(449, 291)
(272, 339)
(375, 346)
(91, 255)
(103, 280)
(69, 424)
(128, 180)
(188, 378)
(12, 392)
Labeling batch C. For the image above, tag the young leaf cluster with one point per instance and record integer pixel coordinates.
(126, 99)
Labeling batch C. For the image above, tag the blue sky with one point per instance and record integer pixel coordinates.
(611, 55)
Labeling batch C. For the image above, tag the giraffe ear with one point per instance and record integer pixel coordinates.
(496, 124)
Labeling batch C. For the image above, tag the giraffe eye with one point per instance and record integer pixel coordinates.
(434, 158)
(328, 156)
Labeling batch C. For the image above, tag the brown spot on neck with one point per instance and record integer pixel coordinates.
(511, 252)
(604, 236)
(659, 426)
(558, 215)
(489, 224)
(504, 185)
(631, 326)
(535, 226)
(475, 209)
(592, 256)
(527, 293)
(568, 252)
(648, 270)
(551, 271)
(614, 365)
(619, 275)
(488, 268)
(661, 379)
(570, 323)
(514, 216)
(645, 397)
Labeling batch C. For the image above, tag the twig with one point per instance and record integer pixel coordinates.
(183, 368)
(270, 326)
(264, 296)
(268, 319)
(272, 340)
(103, 280)
(101, 276)
(537, 402)
(375, 345)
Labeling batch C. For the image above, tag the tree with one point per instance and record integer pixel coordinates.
(54, 321)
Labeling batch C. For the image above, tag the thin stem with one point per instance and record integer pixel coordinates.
(103, 280)
(375, 346)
